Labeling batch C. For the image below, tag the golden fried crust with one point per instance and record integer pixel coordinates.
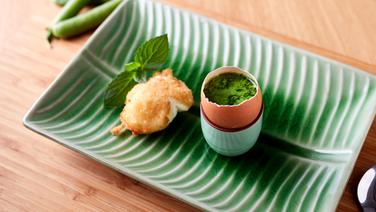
(149, 106)
(172, 87)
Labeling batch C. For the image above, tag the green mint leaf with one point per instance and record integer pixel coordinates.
(153, 53)
(132, 66)
(150, 56)
(117, 90)
(140, 76)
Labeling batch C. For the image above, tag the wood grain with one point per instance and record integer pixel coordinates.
(346, 27)
(37, 174)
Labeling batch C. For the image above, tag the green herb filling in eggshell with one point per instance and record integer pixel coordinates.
(230, 89)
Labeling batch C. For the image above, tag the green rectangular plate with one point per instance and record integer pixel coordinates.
(317, 114)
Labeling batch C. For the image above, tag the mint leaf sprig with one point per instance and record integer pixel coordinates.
(150, 56)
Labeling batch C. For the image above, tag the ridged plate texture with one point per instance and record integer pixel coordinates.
(317, 114)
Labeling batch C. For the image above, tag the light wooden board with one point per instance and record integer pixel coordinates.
(39, 175)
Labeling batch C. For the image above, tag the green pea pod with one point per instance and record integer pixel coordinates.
(60, 2)
(84, 22)
(71, 9)
(63, 2)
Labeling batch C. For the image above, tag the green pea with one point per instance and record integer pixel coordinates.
(84, 22)
(70, 9)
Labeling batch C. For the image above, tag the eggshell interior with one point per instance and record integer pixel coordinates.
(231, 116)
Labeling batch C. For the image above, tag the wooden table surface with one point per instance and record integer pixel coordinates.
(36, 174)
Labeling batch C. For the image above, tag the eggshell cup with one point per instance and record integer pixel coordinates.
(231, 130)
(231, 116)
